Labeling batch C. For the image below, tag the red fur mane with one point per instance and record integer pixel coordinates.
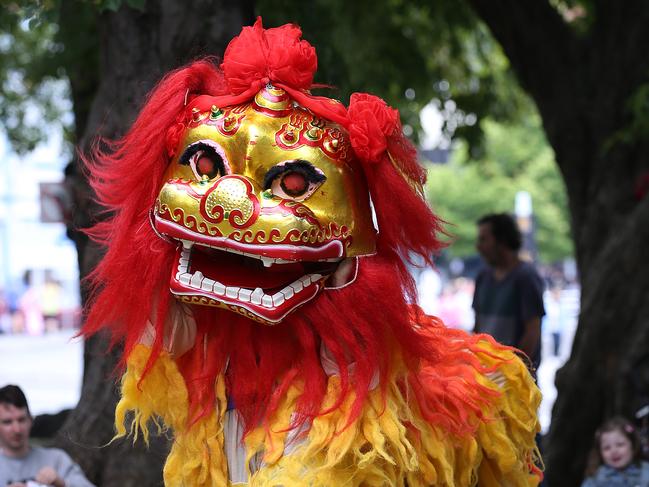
(366, 323)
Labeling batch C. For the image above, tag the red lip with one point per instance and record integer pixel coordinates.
(333, 249)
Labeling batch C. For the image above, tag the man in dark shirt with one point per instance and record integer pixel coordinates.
(508, 299)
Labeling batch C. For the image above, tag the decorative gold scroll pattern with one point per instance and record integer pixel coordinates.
(312, 236)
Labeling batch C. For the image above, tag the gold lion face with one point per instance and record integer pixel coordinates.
(268, 202)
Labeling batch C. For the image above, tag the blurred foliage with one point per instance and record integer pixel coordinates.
(37, 57)
(409, 52)
(28, 73)
(517, 157)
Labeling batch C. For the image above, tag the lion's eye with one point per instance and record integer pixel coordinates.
(294, 180)
(293, 183)
(205, 165)
(206, 159)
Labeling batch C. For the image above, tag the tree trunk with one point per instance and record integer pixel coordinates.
(582, 85)
(135, 49)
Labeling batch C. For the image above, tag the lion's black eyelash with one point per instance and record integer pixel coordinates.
(311, 174)
(185, 158)
(221, 167)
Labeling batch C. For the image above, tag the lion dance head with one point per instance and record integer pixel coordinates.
(258, 238)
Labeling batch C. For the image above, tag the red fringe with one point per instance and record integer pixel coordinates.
(126, 176)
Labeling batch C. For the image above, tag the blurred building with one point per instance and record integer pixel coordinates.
(32, 238)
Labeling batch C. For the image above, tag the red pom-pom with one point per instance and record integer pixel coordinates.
(371, 122)
(258, 56)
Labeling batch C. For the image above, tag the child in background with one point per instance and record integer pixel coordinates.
(618, 453)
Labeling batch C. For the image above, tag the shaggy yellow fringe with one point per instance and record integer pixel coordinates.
(377, 449)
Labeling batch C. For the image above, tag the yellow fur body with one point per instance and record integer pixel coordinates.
(376, 449)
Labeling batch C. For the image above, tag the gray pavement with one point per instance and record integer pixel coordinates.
(47, 367)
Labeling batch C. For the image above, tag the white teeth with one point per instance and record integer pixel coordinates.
(257, 294)
(196, 280)
(306, 280)
(244, 295)
(258, 297)
(207, 285)
(184, 278)
(183, 262)
(219, 289)
(268, 261)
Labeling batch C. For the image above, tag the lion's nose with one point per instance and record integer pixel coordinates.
(232, 198)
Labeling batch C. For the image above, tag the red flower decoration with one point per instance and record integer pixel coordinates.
(371, 122)
(258, 56)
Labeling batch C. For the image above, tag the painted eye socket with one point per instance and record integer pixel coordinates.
(206, 159)
(204, 165)
(293, 180)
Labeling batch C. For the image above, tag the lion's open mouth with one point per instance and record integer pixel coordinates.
(258, 286)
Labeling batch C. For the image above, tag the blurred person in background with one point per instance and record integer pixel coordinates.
(553, 321)
(23, 465)
(5, 314)
(29, 304)
(508, 297)
(51, 302)
(616, 458)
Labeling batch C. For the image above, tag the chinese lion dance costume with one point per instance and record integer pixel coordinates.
(255, 273)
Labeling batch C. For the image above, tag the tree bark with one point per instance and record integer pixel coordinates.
(135, 48)
(582, 84)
